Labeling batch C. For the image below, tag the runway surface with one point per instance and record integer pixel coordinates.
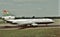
(14, 27)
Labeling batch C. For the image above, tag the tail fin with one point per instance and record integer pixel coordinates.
(5, 13)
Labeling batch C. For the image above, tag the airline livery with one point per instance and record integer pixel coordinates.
(25, 22)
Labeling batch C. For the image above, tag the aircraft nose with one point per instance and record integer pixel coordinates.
(51, 20)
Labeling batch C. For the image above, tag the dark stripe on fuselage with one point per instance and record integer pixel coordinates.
(43, 22)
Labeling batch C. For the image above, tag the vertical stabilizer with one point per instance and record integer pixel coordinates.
(7, 15)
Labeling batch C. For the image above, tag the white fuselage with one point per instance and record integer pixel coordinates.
(31, 21)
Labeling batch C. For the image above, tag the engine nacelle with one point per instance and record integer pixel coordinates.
(34, 24)
(8, 17)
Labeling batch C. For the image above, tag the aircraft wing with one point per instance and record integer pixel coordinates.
(28, 23)
(24, 23)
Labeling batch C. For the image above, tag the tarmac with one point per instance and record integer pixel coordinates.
(8, 26)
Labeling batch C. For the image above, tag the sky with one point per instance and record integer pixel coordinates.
(39, 8)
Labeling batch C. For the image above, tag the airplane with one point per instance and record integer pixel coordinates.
(25, 22)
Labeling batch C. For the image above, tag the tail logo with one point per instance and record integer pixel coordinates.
(5, 12)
